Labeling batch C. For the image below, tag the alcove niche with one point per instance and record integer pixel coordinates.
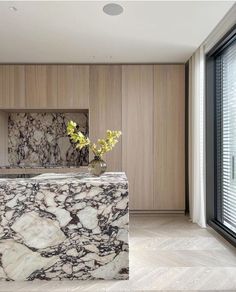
(39, 139)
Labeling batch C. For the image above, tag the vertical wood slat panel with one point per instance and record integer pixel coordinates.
(4, 86)
(169, 137)
(12, 86)
(41, 86)
(137, 127)
(105, 108)
(73, 86)
(44, 86)
(36, 86)
(52, 86)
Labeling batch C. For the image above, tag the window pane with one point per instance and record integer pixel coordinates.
(226, 136)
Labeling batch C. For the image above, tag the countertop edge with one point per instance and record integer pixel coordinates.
(42, 170)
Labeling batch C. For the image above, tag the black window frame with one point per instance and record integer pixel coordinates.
(211, 175)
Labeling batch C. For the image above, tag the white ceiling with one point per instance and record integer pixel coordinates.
(79, 32)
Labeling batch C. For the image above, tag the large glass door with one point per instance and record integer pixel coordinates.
(225, 115)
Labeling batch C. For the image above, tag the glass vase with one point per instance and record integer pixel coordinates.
(97, 166)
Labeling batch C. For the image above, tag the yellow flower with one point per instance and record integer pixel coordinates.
(71, 126)
(81, 141)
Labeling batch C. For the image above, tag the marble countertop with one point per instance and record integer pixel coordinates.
(33, 169)
(62, 178)
(36, 166)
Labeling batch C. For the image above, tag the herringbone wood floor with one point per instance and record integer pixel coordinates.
(166, 254)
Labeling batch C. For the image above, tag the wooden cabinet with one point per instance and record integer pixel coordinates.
(12, 86)
(169, 137)
(73, 86)
(38, 87)
(137, 128)
(153, 150)
(52, 86)
(41, 86)
(105, 107)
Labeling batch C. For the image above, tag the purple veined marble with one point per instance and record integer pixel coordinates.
(40, 139)
(64, 226)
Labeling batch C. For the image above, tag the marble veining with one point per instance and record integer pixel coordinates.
(64, 226)
(193, 259)
(40, 139)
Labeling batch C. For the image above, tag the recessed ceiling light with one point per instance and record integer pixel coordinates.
(113, 9)
(13, 8)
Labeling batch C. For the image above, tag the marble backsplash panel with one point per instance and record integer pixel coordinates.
(40, 139)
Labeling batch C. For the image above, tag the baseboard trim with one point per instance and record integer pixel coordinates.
(157, 212)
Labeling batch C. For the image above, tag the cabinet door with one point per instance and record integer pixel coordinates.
(105, 107)
(169, 137)
(12, 86)
(41, 86)
(52, 86)
(73, 86)
(137, 124)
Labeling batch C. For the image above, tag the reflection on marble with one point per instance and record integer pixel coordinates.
(40, 139)
(64, 226)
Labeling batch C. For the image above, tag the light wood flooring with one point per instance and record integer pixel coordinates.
(167, 253)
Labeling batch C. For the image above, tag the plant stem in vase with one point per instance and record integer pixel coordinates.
(97, 166)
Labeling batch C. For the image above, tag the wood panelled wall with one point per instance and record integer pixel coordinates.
(105, 108)
(146, 101)
(41, 86)
(137, 128)
(169, 137)
(12, 86)
(44, 86)
(73, 86)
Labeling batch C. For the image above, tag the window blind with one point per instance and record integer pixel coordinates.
(225, 74)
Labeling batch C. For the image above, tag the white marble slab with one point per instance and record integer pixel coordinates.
(40, 139)
(64, 226)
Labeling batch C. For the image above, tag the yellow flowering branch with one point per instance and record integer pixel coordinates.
(103, 145)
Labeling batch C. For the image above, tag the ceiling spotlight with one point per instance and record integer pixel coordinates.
(113, 9)
(13, 8)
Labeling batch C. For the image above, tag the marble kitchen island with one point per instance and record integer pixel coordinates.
(64, 226)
